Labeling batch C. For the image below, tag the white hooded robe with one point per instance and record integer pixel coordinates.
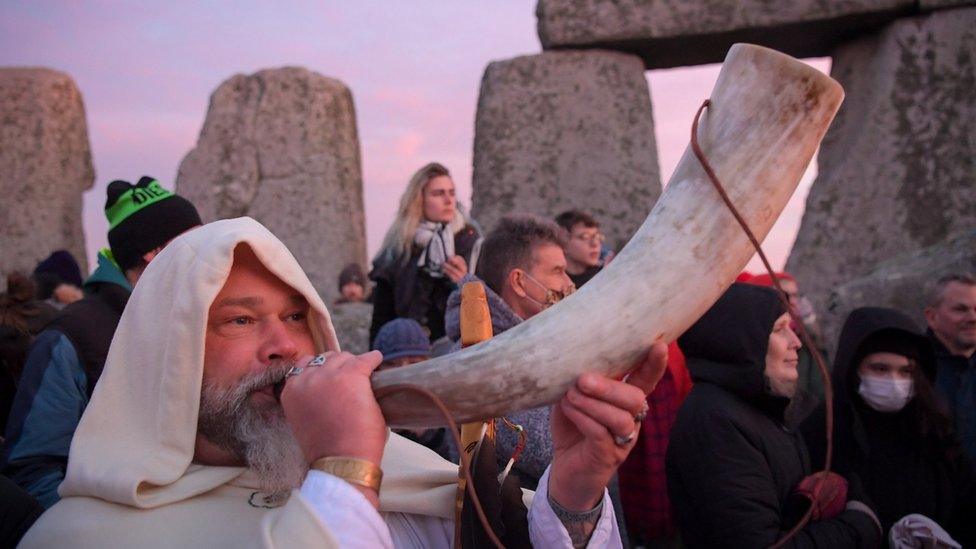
(131, 481)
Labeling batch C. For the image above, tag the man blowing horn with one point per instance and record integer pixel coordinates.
(186, 442)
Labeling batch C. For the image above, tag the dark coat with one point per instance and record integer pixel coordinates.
(732, 464)
(62, 368)
(404, 291)
(956, 382)
(903, 471)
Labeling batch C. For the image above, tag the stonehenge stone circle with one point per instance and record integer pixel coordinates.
(45, 166)
(672, 33)
(898, 165)
(281, 146)
(568, 129)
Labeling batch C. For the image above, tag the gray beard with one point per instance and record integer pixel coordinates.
(257, 434)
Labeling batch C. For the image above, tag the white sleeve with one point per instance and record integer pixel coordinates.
(349, 516)
(546, 530)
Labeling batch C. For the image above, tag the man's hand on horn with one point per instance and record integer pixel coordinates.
(594, 427)
(332, 411)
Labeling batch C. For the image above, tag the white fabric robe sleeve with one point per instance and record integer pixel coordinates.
(354, 522)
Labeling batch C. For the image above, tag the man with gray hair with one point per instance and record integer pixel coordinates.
(951, 316)
(525, 271)
(523, 267)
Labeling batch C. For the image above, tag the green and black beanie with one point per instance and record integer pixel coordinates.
(143, 217)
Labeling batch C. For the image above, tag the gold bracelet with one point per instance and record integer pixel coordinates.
(352, 470)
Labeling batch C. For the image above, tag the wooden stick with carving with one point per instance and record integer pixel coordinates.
(475, 328)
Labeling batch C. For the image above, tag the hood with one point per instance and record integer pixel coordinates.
(859, 327)
(502, 316)
(727, 345)
(134, 444)
(107, 271)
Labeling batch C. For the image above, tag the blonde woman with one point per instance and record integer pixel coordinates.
(431, 245)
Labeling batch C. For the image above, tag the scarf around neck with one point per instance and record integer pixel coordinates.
(437, 240)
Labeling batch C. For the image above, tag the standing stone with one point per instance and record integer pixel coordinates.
(351, 322)
(898, 166)
(281, 146)
(45, 166)
(563, 130)
(903, 283)
(672, 33)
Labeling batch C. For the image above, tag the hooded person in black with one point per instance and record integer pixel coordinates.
(909, 459)
(732, 464)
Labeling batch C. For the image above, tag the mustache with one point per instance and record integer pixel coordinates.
(273, 375)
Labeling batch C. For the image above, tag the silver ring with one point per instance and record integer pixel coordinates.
(317, 360)
(624, 441)
(642, 415)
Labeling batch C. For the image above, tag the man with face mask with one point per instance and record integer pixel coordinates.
(524, 271)
(890, 431)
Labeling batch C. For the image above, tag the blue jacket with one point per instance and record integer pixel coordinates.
(61, 370)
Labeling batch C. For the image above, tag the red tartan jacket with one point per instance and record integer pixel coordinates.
(643, 484)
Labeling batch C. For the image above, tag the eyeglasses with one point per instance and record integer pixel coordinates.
(591, 238)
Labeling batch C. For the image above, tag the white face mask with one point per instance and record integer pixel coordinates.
(886, 394)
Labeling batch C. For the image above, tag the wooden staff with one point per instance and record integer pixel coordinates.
(475, 328)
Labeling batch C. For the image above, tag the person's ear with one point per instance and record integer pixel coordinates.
(929, 315)
(516, 281)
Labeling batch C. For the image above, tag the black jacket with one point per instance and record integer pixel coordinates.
(956, 382)
(404, 291)
(731, 463)
(903, 471)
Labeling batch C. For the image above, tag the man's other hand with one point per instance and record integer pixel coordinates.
(585, 423)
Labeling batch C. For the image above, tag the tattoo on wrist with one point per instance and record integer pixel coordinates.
(579, 525)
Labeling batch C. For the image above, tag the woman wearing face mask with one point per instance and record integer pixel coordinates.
(889, 428)
(732, 464)
(430, 246)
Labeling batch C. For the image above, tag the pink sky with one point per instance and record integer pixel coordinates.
(146, 74)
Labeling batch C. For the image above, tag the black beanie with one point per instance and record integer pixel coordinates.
(352, 273)
(62, 265)
(143, 217)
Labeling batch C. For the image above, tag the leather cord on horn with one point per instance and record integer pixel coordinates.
(465, 465)
(804, 336)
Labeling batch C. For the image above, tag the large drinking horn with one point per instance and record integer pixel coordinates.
(767, 116)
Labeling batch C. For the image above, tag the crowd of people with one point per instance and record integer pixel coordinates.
(203, 401)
